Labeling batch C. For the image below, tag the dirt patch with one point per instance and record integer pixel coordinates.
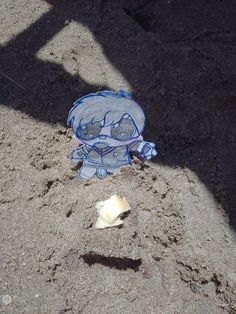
(175, 252)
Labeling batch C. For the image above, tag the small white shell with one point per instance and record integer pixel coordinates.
(6, 299)
(101, 223)
(109, 212)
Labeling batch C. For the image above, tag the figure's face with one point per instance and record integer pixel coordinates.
(121, 133)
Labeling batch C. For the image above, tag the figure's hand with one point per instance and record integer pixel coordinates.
(76, 155)
(147, 150)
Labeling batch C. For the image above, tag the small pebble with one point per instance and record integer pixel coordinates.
(6, 299)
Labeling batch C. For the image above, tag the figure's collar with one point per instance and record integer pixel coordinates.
(103, 151)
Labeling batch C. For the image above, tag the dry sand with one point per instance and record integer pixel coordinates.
(176, 251)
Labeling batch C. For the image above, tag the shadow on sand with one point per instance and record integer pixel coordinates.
(179, 59)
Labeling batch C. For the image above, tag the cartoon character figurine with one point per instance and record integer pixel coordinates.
(107, 126)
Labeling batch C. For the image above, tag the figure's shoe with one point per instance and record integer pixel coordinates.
(101, 173)
(86, 172)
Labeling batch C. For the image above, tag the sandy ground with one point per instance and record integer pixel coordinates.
(176, 251)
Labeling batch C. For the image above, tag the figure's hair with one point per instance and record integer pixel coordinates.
(106, 106)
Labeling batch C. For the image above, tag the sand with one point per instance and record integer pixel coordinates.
(176, 251)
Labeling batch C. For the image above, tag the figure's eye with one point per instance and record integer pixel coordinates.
(123, 130)
(89, 131)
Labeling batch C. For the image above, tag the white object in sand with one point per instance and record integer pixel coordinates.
(109, 212)
(6, 299)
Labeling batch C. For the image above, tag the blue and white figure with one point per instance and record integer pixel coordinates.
(107, 127)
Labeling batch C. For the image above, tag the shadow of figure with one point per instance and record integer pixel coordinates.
(179, 59)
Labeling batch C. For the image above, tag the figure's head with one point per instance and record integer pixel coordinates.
(107, 119)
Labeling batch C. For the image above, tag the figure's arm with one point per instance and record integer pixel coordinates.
(76, 140)
(144, 149)
(78, 154)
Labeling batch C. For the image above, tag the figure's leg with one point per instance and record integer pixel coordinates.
(101, 173)
(86, 172)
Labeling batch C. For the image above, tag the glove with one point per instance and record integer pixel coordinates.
(76, 155)
(147, 150)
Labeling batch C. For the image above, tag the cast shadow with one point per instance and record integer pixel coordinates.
(179, 59)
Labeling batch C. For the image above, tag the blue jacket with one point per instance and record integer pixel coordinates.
(107, 158)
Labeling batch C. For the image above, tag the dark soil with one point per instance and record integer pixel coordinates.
(176, 252)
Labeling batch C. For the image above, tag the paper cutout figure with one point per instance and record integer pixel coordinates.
(107, 126)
